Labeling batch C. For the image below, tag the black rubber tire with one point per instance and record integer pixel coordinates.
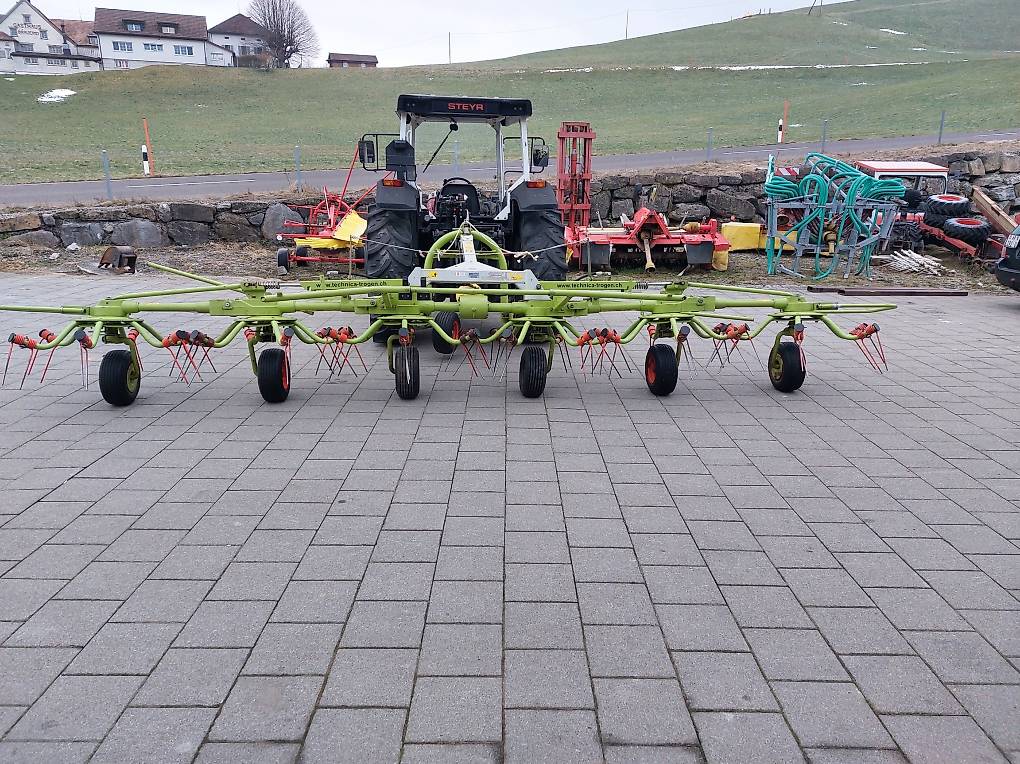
(661, 369)
(283, 259)
(274, 375)
(907, 232)
(913, 197)
(786, 369)
(449, 322)
(301, 252)
(119, 378)
(975, 231)
(391, 241)
(541, 232)
(534, 371)
(380, 337)
(935, 221)
(406, 371)
(948, 205)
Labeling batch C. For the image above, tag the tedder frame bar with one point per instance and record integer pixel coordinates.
(538, 320)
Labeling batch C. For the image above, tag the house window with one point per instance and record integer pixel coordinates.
(133, 26)
(13, 31)
(216, 56)
(120, 63)
(123, 46)
(43, 34)
(94, 40)
(184, 50)
(344, 65)
(88, 64)
(229, 47)
(74, 63)
(168, 28)
(244, 50)
(363, 66)
(56, 49)
(154, 47)
(32, 61)
(27, 18)
(56, 62)
(24, 47)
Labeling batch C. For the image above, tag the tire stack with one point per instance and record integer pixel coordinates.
(951, 213)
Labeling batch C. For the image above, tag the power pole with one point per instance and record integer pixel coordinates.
(449, 47)
(813, 3)
(626, 26)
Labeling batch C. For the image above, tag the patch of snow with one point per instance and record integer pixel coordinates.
(871, 47)
(11, 79)
(890, 31)
(586, 70)
(919, 49)
(858, 84)
(841, 23)
(797, 125)
(58, 95)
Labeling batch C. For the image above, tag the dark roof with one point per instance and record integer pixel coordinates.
(110, 21)
(6, 37)
(76, 31)
(240, 24)
(354, 57)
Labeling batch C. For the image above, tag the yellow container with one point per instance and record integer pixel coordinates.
(743, 237)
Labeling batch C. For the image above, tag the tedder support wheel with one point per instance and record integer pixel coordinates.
(534, 370)
(786, 367)
(405, 368)
(661, 369)
(119, 378)
(450, 323)
(274, 375)
(283, 260)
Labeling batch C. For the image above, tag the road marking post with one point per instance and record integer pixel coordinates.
(105, 158)
(942, 126)
(708, 149)
(297, 167)
(148, 146)
(783, 122)
(825, 133)
(145, 161)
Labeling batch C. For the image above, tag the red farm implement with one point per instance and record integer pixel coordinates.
(646, 234)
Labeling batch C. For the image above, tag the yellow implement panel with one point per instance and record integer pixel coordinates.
(745, 237)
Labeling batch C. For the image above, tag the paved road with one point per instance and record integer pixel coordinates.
(192, 187)
(725, 575)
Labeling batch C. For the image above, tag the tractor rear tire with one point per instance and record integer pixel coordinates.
(406, 371)
(274, 375)
(449, 322)
(541, 232)
(119, 378)
(534, 371)
(391, 243)
(786, 367)
(661, 369)
(949, 205)
(973, 231)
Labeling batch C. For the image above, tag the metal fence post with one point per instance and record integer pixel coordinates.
(708, 150)
(825, 133)
(297, 167)
(942, 126)
(106, 174)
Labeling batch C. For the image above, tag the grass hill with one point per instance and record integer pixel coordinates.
(228, 120)
(850, 32)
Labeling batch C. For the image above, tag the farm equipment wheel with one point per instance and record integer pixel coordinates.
(533, 372)
(948, 205)
(406, 371)
(119, 378)
(391, 241)
(971, 230)
(786, 367)
(301, 252)
(661, 369)
(907, 232)
(449, 322)
(913, 197)
(380, 337)
(935, 221)
(274, 375)
(541, 232)
(283, 260)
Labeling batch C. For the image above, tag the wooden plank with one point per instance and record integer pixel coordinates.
(1001, 221)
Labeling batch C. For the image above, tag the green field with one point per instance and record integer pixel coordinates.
(221, 120)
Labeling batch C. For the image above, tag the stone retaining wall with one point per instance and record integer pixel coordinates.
(682, 195)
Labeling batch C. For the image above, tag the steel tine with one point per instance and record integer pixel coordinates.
(360, 358)
(7, 365)
(876, 342)
(191, 360)
(47, 366)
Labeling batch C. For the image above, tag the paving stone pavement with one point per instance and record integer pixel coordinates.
(725, 575)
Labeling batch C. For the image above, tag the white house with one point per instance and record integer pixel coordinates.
(34, 44)
(132, 39)
(243, 37)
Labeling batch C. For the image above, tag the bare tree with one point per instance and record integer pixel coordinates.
(290, 30)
